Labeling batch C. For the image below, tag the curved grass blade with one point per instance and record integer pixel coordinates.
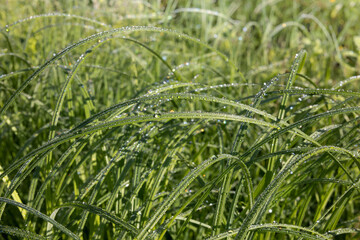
(339, 92)
(58, 107)
(14, 194)
(56, 14)
(317, 21)
(291, 230)
(284, 25)
(231, 216)
(269, 138)
(324, 180)
(104, 35)
(18, 232)
(264, 199)
(108, 216)
(173, 96)
(176, 192)
(129, 120)
(205, 11)
(77, 146)
(82, 132)
(343, 231)
(235, 147)
(175, 145)
(224, 192)
(23, 172)
(256, 102)
(343, 198)
(176, 73)
(346, 81)
(11, 74)
(65, 88)
(295, 68)
(98, 180)
(15, 55)
(183, 206)
(222, 176)
(65, 138)
(41, 215)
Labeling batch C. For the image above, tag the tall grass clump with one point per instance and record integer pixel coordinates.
(179, 120)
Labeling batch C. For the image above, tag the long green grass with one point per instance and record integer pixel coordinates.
(180, 119)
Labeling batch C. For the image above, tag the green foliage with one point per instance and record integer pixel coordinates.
(179, 120)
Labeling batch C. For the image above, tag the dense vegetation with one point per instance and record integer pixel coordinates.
(179, 119)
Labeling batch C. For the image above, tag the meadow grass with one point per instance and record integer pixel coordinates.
(179, 120)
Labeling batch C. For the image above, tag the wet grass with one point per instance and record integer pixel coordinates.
(179, 120)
